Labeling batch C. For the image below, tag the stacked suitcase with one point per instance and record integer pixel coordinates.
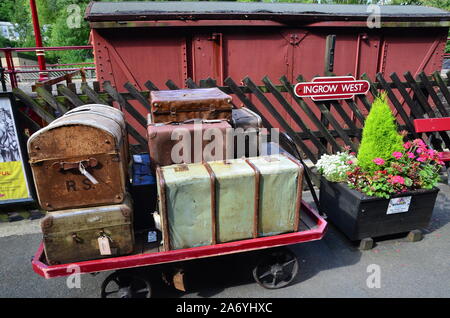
(80, 169)
(227, 195)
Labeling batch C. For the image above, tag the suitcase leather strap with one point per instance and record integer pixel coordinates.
(66, 165)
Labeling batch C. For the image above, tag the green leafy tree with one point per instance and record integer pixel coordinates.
(379, 136)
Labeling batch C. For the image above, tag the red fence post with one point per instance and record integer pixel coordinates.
(40, 53)
(11, 69)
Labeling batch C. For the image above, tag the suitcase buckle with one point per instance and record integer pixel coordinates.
(76, 238)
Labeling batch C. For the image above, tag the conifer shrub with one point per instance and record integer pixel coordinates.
(380, 137)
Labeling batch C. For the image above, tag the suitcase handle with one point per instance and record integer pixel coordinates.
(64, 165)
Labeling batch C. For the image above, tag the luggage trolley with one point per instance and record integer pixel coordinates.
(276, 268)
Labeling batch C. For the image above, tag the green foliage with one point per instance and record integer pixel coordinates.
(6, 10)
(379, 137)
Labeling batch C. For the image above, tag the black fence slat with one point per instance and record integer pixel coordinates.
(191, 84)
(343, 114)
(247, 102)
(421, 98)
(171, 85)
(92, 95)
(330, 118)
(70, 95)
(124, 104)
(134, 133)
(311, 115)
(285, 104)
(266, 103)
(356, 111)
(373, 86)
(50, 100)
(150, 86)
(425, 105)
(397, 105)
(442, 86)
(28, 101)
(137, 95)
(437, 101)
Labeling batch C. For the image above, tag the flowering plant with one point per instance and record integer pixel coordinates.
(385, 165)
(416, 167)
(335, 167)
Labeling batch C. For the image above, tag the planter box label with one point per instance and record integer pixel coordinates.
(399, 205)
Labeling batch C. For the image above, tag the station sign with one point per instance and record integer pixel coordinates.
(331, 88)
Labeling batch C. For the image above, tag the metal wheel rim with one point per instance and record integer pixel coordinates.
(126, 286)
(276, 270)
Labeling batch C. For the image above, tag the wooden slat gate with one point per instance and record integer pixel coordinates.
(325, 127)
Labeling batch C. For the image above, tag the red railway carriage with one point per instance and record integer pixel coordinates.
(138, 41)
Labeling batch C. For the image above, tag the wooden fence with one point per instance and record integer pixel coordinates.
(316, 127)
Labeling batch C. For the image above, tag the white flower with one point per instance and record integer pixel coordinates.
(335, 167)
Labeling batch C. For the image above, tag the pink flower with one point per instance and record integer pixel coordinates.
(410, 155)
(398, 179)
(349, 162)
(407, 145)
(421, 159)
(353, 153)
(419, 150)
(378, 161)
(397, 154)
(419, 142)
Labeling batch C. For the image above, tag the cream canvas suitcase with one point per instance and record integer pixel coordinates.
(222, 201)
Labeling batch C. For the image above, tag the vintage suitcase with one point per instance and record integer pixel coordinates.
(107, 111)
(180, 105)
(235, 196)
(223, 201)
(88, 233)
(247, 125)
(79, 161)
(185, 206)
(280, 193)
(167, 144)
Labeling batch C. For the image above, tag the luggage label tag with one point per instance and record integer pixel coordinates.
(86, 173)
(103, 244)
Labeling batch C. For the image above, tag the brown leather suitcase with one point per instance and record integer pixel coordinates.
(184, 104)
(78, 161)
(166, 148)
(88, 233)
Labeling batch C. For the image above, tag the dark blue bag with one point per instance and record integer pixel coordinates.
(142, 174)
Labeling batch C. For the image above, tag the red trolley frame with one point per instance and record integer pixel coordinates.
(314, 231)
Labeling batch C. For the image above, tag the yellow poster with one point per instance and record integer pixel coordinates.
(12, 181)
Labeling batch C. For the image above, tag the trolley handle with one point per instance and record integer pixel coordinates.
(298, 156)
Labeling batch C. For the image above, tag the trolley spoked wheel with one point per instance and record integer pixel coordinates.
(126, 285)
(276, 269)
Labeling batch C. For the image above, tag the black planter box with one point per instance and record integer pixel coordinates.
(359, 216)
